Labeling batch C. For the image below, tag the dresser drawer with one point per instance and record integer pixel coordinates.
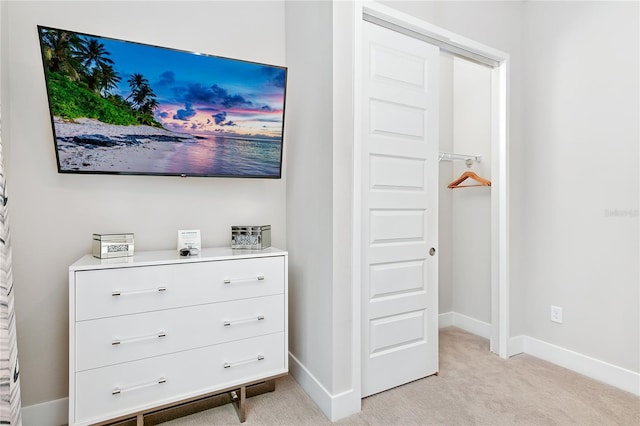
(117, 390)
(121, 291)
(114, 340)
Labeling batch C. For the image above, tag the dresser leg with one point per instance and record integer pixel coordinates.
(239, 403)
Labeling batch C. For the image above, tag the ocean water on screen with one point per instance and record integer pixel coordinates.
(225, 156)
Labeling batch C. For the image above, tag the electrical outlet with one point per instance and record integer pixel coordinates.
(556, 314)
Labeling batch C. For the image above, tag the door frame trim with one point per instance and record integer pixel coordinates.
(500, 63)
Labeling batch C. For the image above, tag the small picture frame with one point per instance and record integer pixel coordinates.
(189, 243)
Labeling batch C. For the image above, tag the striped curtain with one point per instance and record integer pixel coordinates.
(9, 369)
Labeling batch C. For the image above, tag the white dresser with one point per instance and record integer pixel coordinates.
(154, 329)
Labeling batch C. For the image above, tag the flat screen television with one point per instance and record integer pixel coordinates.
(120, 107)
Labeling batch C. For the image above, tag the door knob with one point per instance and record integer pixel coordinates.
(432, 251)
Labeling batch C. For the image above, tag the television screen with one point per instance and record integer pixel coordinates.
(129, 108)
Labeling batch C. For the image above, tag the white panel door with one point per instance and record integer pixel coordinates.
(399, 209)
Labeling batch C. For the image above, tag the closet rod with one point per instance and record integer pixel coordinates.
(468, 159)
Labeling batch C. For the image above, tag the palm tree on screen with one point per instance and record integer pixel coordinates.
(107, 79)
(142, 96)
(93, 57)
(60, 48)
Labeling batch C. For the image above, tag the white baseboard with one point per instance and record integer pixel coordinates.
(445, 320)
(599, 370)
(515, 345)
(335, 407)
(472, 325)
(50, 413)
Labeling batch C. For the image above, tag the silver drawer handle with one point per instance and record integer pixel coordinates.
(147, 290)
(139, 338)
(245, 361)
(243, 320)
(243, 280)
(118, 391)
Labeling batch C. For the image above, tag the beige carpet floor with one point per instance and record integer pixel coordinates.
(474, 387)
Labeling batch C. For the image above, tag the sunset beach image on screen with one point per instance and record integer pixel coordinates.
(129, 108)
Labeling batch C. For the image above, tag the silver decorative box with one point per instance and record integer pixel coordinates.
(106, 246)
(251, 237)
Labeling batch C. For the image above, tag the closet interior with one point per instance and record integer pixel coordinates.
(465, 195)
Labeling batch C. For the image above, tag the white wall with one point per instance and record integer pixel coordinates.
(319, 203)
(581, 166)
(54, 215)
(346, 342)
(309, 186)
